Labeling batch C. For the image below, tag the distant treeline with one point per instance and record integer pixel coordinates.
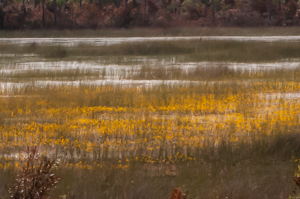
(95, 14)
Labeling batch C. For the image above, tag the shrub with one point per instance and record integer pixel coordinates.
(177, 194)
(36, 177)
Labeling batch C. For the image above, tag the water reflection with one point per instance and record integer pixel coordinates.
(120, 40)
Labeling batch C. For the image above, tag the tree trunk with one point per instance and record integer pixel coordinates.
(205, 8)
(54, 6)
(24, 14)
(60, 18)
(279, 5)
(270, 8)
(43, 12)
(213, 10)
(1, 17)
(80, 2)
(73, 18)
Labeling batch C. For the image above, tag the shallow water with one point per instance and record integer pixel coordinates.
(98, 73)
(17, 71)
(22, 66)
(4, 86)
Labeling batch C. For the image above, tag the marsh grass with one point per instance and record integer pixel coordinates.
(143, 32)
(254, 166)
(60, 97)
(117, 96)
(216, 72)
(195, 50)
(261, 168)
(68, 74)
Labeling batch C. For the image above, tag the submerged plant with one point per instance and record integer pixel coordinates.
(36, 178)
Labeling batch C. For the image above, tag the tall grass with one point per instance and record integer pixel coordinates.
(196, 50)
(214, 139)
(263, 169)
(212, 72)
(255, 166)
(150, 32)
(260, 169)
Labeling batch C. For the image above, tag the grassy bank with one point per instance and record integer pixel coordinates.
(151, 32)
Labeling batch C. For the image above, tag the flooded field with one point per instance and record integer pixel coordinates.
(23, 73)
(164, 105)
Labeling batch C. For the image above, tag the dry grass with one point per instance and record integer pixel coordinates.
(195, 50)
(214, 140)
(143, 32)
(215, 72)
(261, 169)
(257, 167)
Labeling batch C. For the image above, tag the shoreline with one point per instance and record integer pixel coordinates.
(153, 32)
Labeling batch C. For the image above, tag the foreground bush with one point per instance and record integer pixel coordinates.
(36, 178)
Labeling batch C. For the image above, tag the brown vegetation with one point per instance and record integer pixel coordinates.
(36, 178)
(177, 194)
(148, 13)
